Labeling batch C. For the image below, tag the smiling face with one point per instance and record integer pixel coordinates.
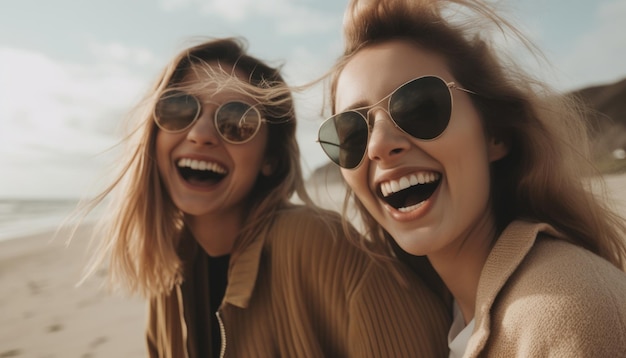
(430, 195)
(204, 174)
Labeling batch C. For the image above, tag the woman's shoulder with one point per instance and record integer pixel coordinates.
(306, 220)
(550, 259)
(562, 297)
(559, 261)
(304, 211)
(302, 231)
(560, 282)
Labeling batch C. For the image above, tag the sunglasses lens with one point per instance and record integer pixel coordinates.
(343, 138)
(422, 107)
(237, 122)
(176, 111)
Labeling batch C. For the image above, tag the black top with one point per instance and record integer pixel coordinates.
(218, 279)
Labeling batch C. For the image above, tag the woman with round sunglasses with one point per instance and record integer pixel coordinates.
(452, 153)
(204, 227)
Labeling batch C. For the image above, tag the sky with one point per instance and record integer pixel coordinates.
(70, 70)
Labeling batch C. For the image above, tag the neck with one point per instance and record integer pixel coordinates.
(460, 267)
(216, 233)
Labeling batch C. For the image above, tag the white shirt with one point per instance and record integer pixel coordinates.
(459, 333)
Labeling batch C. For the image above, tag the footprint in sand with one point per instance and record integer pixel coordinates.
(98, 341)
(55, 327)
(10, 353)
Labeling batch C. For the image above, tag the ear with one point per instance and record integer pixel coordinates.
(497, 148)
(268, 167)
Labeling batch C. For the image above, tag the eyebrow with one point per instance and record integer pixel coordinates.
(354, 106)
(362, 104)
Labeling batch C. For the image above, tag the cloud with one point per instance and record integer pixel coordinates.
(43, 94)
(173, 5)
(55, 116)
(287, 17)
(119, 53)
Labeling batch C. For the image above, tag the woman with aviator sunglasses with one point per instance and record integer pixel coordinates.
(454, 155)
(203, 226)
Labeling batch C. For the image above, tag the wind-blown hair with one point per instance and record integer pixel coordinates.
(547, 173)
(140, 237)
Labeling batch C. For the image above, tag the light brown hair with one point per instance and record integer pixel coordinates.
(545, 176)
(139, 238)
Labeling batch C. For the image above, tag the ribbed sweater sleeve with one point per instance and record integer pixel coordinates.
(352, 306)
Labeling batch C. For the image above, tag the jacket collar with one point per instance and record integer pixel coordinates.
(243, 272)
(507, 254)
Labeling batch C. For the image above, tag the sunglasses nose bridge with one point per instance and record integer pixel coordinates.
(386, 138)
(203, 129)
(379, 113)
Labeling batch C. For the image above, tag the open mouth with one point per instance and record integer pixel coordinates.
(409, 192)
(199, 172)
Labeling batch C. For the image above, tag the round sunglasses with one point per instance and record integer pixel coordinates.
(420, 108)
(236, 122)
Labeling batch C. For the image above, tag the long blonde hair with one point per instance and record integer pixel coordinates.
(540, 178)
(140, 237)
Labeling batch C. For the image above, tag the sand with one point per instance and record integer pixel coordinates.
(44, 314)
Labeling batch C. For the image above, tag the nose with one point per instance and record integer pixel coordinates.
(387, 142)
(203, 130)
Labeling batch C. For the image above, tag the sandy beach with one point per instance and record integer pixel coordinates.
(44, 314)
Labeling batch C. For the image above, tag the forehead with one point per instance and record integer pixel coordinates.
(214, 79)
(375, 71)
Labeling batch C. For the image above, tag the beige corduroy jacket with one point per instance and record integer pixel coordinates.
(539, 296)
(298, 292)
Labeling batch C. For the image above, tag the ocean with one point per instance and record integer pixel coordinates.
(24, 217)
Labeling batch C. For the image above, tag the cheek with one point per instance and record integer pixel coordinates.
(467, 170)
(163, 145)
(358, 181)
(251, 156)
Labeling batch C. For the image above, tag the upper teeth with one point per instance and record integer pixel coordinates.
(394, 186)
(201, 165)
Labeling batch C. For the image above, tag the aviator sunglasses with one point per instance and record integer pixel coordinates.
(236, 122)
(420, 108)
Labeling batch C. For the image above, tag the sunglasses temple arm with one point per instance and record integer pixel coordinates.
(454, 86)
(325, 142)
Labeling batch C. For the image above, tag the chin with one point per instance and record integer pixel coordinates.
(415, 244)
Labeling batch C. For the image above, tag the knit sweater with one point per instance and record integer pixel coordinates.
(541, 296)
(297, 291)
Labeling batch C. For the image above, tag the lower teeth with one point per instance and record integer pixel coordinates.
(410, 208)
